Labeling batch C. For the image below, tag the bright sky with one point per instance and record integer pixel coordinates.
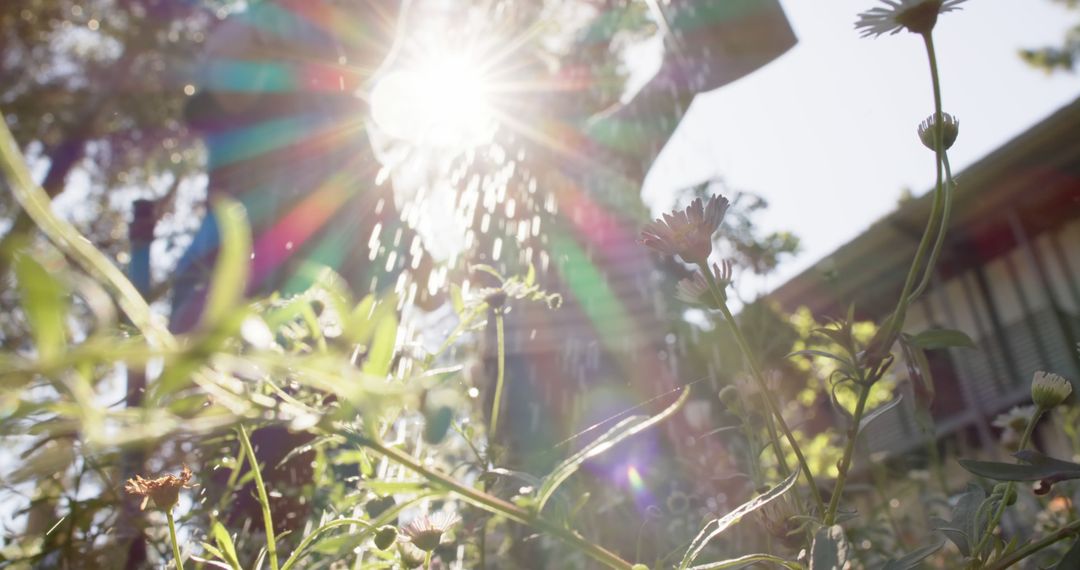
(827, 133)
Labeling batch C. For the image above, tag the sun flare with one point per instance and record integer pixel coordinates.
(442, 101)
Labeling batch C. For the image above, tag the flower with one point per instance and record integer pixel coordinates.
(1049, 390)
(687, 233)
(1015, 419)
(1012, 424)
(918, 16)
(695, 290)
(950, 127)
(426, 532)
(164, 491)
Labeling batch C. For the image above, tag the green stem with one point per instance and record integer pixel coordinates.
(744, 560)
(907, 296)
(264, 501)
(849, 452)
(295, 556)
(501, 507)
(234, 476)
(35, 201)
(755, 373)
(175, 544)
(1059, 534)
(501, 374)
(496, 406)
(427, 560)
(1009, 487)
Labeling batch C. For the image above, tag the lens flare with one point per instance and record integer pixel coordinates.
(637, 484)
(442, 101)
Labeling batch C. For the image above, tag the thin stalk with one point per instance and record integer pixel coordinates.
(849, 452)
(501, 507)
(1009, 487)
(175, 544)
(1059, 534)
(770, 422)
(943, 227)
(234, 476)
(906, 295)
(296, 554)
(744, 560)
(755, 373)
(500, 376)
(264, 501)
(427, 560)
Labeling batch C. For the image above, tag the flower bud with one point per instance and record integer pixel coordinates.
(385, 537)
(729, 396)
(950, 128)
(1048, 390)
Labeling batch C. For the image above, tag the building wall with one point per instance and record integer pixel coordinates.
(1022, 309)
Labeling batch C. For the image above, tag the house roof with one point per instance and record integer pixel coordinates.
(1036, 175)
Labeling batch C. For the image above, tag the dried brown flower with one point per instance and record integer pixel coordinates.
(164, 491)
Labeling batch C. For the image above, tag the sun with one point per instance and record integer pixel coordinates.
(443, 100)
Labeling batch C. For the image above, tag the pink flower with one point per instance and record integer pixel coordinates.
(687, 233)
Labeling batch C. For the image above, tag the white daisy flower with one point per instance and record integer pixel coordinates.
(918, 16)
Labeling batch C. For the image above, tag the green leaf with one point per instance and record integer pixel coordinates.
(942, 338)
(624, 429)
(437, 423)
(457, 300)
(1071, 560)
(880, 411)
(922, 381)
(45, 301)
(821, 353)
(1040, 468)
(489, 270)
(830, 549)
(225, 543)
(911, 560)
(963, 530)
(360, 326)
(381, 353)
(234, 260)
(708, 532)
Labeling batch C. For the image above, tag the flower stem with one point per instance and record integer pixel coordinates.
(501, 507)
(1059, 534)
(427, 560)
(907, 295)
(175, 544)
(849, 452)
(766, 395)
(268, 522)
(1009, 487)
(500, 376)
(298, 552)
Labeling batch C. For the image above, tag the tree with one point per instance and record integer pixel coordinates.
(98, 87)
(1061, 57)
